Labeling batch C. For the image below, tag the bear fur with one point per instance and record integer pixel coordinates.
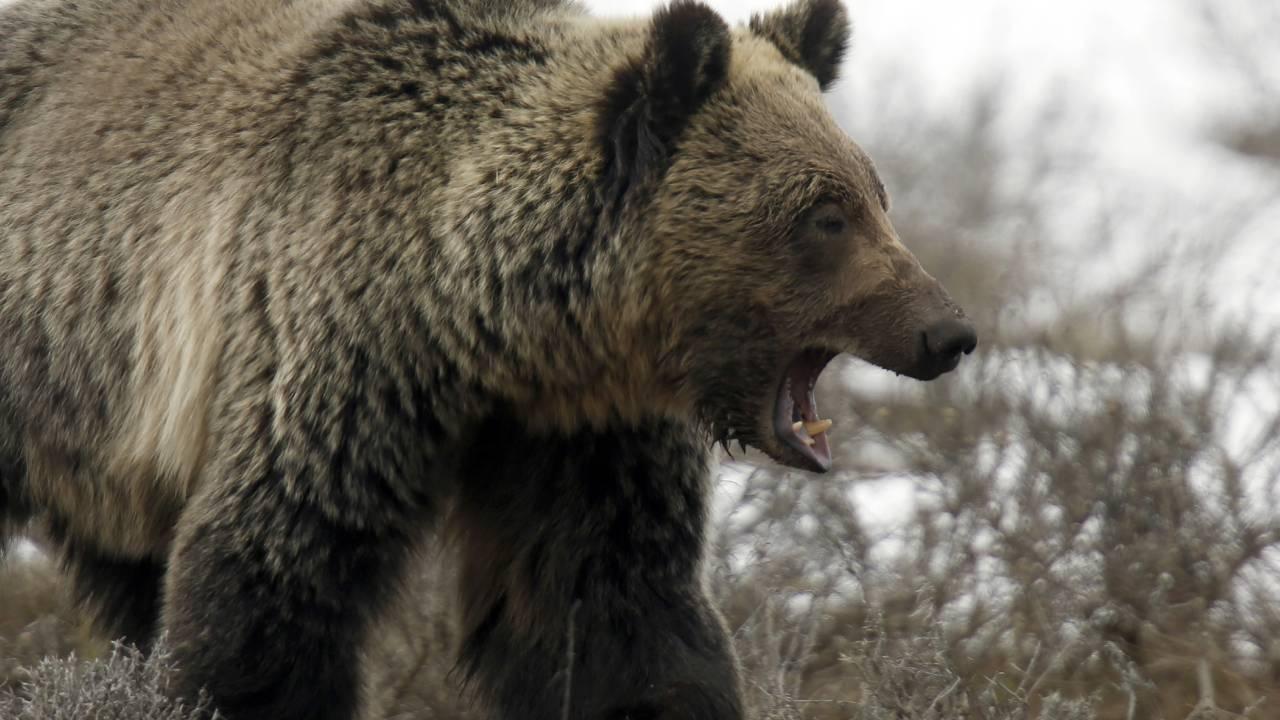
(287, 287)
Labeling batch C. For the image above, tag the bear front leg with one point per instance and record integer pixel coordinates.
(296, 539)
(267, 605)
(582, 587)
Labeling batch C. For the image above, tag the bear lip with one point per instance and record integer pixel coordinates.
(796, 404)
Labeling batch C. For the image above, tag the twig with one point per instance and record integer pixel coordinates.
(942, 696)
(1207, 694)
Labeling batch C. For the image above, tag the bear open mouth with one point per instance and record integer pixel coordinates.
(796, 421)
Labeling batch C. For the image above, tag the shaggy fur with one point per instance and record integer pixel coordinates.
(285, 285)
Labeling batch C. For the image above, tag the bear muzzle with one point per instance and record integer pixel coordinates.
(799, 429)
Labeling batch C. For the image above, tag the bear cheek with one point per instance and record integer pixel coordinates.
(829, 273)
(819, 261)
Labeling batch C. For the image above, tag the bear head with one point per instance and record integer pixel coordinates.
(774, 245)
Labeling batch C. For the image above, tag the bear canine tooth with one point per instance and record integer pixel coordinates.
(816, 427)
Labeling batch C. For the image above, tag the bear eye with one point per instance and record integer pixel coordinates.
(831, 225)
(829, 219)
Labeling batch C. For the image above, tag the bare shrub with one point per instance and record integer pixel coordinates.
(1086, 537)
(124, 685)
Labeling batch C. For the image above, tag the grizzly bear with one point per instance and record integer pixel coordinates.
(288, 287)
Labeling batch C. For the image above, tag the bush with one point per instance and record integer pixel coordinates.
(123, 685)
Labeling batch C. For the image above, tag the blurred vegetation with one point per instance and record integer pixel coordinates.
(1081, 524)
(1242, 33)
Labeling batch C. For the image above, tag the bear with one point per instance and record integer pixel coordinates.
(291, 288)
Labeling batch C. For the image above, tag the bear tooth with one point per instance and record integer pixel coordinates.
(817, 427)
(808, 441)
(796, 426)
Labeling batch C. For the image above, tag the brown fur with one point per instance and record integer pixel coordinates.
(281, 282)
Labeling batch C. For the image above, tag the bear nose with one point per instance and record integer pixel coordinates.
(946, 339)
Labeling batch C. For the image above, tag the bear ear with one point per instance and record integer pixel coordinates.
(813, 34)
(652, 98)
